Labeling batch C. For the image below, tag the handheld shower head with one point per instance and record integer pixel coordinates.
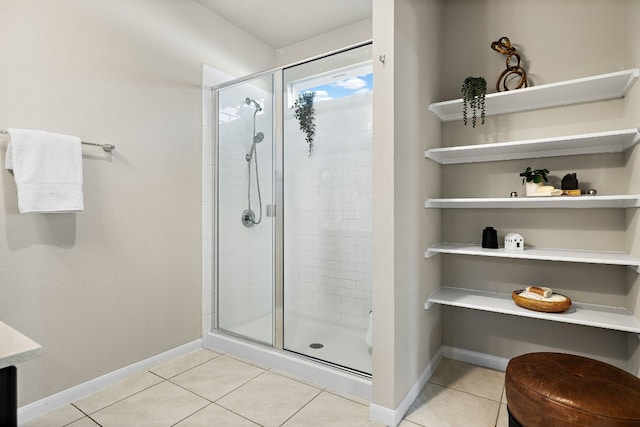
(250, 101)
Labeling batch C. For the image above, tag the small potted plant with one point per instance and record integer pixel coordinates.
(473, 90)
(533, 178)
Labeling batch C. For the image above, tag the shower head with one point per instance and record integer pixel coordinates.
(250, 101)
(258, 137)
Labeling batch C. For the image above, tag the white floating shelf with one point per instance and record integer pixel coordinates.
(599, 316)
(620, 201)
(594, 88)
(567, 255)
(592, 143)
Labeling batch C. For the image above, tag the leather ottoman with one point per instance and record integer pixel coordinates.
(556, 389)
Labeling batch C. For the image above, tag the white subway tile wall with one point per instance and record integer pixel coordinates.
(328, 216)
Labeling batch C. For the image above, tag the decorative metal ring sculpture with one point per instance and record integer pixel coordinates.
(503, 46)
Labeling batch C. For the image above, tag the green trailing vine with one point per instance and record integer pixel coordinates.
(304, 113)
(474, 90)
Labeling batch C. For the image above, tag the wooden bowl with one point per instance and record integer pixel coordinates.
(544, 306)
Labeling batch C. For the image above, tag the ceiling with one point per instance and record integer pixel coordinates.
(280, 23)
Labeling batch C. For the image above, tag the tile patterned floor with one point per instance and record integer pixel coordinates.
(206, 388)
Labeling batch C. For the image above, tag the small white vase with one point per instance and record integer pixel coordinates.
(531, 187)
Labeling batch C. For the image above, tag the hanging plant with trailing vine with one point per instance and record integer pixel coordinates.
(474, 90)
(304, 113)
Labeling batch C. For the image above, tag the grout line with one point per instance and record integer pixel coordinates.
(188, 369)
(466, 392)
(190, 391)
(159, 376)
(97, 423)
(240, 415)
(248, 362)
(192, 414)
(118, 401)
(302, 407)
(213, 401)
(83, 413)
(346, 397)
(499, 401)
(85, 416)
(297, 379)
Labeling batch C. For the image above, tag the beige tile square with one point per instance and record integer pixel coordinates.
(469, 378)
(295, 377)
(57, 418)
(350, 397)
(405, 423)
(84, 422)
(329, 410)
(214, 415)
(269, 399)
(503, 417)
(162, 405)
(249, 362)
(217, 377)
(116, 392)
(184, 363)
(442, 406)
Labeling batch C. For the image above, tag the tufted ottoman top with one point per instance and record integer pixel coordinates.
(556, 389)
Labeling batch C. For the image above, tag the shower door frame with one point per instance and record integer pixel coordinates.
(278, 196)
(277, 184)
(278, 191)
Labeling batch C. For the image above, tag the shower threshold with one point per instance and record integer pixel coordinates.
(326, 341)
(302, 367)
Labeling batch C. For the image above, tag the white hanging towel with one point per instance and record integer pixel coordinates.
(47, 168)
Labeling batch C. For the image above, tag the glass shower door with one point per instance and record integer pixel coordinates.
(244, 220)
(327, 231)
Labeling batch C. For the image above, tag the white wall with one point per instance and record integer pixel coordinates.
(348, 35)
(119, 282)
(417, 43)
(384, 330)
(407, 33)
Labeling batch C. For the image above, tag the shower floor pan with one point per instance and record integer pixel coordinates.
(325, 340)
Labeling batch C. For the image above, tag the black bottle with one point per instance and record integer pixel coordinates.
(490, 238)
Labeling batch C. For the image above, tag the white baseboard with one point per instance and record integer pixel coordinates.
(392, 417)
(383, 415)
(55, 401)
(475, 358)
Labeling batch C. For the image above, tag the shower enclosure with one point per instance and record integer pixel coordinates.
(292, 211)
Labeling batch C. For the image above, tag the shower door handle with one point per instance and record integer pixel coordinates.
(270, 211)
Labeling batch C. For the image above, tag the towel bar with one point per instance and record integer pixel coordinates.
(106, 147)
